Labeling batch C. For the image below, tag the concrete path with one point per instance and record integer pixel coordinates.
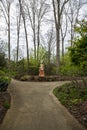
(35, 108)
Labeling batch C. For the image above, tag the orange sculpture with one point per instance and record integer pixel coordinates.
(41, 70)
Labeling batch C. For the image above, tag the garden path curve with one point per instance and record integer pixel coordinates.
(34, 107)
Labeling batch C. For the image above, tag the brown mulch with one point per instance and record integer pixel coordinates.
(4, 97)
(80, 113)
(83, 114)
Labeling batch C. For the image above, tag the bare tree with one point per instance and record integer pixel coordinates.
(74, 8)
(36, 11)
(58, 7)
(64, 27)
(31, 11)
(41, 12)
(25, 28)
(18, 30)
(6, 12)
(49, 43)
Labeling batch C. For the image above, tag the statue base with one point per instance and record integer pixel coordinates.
(41, 73)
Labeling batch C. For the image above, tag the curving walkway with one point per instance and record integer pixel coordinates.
(35, 108)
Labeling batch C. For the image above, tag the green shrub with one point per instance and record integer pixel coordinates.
(50, 69)
(5, 79)
(26, 78)
(2, 73)
(33, 70)
(67, 68)
(4, 82)
(2, 60)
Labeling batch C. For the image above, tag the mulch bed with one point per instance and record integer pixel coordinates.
(4, 98)
(80, 113)
(46, 78)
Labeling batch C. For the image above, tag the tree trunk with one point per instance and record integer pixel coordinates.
(38, 41)
(9, 51)
(34, 35)
(26, 41)
(63, 47)
(22, 12)
(71, 33)
(58, 49)
(18, 33)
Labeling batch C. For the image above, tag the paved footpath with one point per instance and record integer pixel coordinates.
(34, 107)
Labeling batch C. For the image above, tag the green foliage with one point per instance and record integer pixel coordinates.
(69, 94)
(67, 68)
(21, 67)
(2, 60)
(2, 73)
(6, 105)
(50, 69)
(26, 78)
(78, 52)
(33, 70)
(81, 28)
(4, 81)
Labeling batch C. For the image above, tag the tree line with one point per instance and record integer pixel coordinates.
(33, 15)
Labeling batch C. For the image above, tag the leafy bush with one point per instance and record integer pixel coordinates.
(78, 52)
(33, 70)
(26, 78)
(50, 69)
(4, 82)
(67, 68)
(2, 73)
(2, 60)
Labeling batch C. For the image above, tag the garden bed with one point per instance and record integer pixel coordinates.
(5, 100)
(74, 98)
(45, 78)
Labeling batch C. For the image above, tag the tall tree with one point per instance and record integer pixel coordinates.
(36, 11)
(6, 11)
(43, 9)
(18, 30)
(58, 7)
(74, 8)
(64, 28)
(31, 11)
(25, 28)
(49, 43)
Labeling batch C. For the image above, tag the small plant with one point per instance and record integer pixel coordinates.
(76, 101)
(26, 78)
(6, 105)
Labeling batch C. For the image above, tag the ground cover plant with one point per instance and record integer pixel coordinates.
(5, 100)
(74, 97)
(5, 97)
